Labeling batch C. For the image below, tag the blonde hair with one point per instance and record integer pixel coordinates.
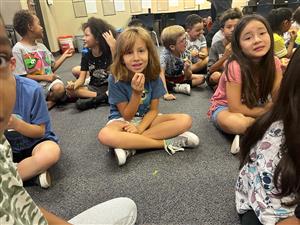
(125, 43)
(170, 35)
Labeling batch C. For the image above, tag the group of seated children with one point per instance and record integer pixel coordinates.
(250, 99)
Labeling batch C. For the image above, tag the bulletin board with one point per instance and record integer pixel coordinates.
(189, 4)
(108, 7)
(135, 6)
(162, 5)
(79, 8)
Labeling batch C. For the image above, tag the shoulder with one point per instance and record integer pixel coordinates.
(277, 37)
(28, 84)
(17, 47)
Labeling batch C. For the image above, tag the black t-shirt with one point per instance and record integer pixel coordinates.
(97, 67)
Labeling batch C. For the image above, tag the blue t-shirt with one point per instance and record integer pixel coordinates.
(121, 91)
(32, 108)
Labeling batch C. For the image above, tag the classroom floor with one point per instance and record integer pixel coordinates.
(191, 187)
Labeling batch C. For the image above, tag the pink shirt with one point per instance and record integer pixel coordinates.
(234, 74)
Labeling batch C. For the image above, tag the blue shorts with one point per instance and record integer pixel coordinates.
(215, 113)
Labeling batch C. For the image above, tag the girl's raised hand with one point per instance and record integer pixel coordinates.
(109, 38)
(138, 82)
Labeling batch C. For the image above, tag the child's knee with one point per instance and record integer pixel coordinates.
(105, 136)
(58, 91)
(76, 71)
(186, 121)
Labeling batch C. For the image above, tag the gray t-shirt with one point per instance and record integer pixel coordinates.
(16, 205)
(215, 53)
(173, 65)
(196, 45)
(32, 59)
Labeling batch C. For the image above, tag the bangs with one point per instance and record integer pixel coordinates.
(127, 41)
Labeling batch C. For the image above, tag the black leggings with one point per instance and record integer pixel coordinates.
(249, 218)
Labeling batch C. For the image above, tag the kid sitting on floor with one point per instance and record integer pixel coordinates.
(196, 48)
(251, 79)
(268, 186)
(34, 60)
(134, 91)
(99, 38)
(176, 72)
(221, 50)
(280, 21)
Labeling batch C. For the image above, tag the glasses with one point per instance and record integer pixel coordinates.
(4, 59)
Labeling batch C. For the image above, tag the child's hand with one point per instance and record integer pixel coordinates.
(187, 65)
(13, 122)
(70, 85)
(228, 50)
(69, 53)
(293, 35)
(138, 82)
(109, 38)
(202, 55)
(169, 97)
(130, 128)
(52, 77)
(194, 53)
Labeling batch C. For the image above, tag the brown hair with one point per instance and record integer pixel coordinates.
(170, 34)
(125, 43)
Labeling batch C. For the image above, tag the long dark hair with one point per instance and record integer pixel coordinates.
(252, 91)
(277, 16)
(98, 27)
(286, 109)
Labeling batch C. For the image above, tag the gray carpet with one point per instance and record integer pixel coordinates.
(191, 187)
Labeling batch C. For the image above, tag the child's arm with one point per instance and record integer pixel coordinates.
(49, 78)
(53, 219)
(167, 96)
(78, 83)
(218, 65)
(291, 45)
(277, 82)
(147, 119)
(111, 41)
(26, 129)
(67, 54)
(290, 221)
(129, 109)
(187, 70)
(234, 92)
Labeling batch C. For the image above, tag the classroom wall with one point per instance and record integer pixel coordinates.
(8, 9)
(59, 18)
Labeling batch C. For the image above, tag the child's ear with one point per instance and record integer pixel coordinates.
(172, 47)
(12, 63)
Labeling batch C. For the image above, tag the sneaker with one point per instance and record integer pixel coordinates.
(183, 88)
(235, 146)
(185, 140)
(88, 103)
(122, 155)
(44, 179)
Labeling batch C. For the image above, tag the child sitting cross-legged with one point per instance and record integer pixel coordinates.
(176, 72)
(134, 91)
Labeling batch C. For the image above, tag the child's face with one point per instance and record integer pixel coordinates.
(180, 45)
(255, 40)
(7, 86)
(286, 25)
(136, 60)
(229, 28)
(196, 31)
(89, 39)
(36, 27)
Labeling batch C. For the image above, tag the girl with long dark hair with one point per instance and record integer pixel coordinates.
(249, 84)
